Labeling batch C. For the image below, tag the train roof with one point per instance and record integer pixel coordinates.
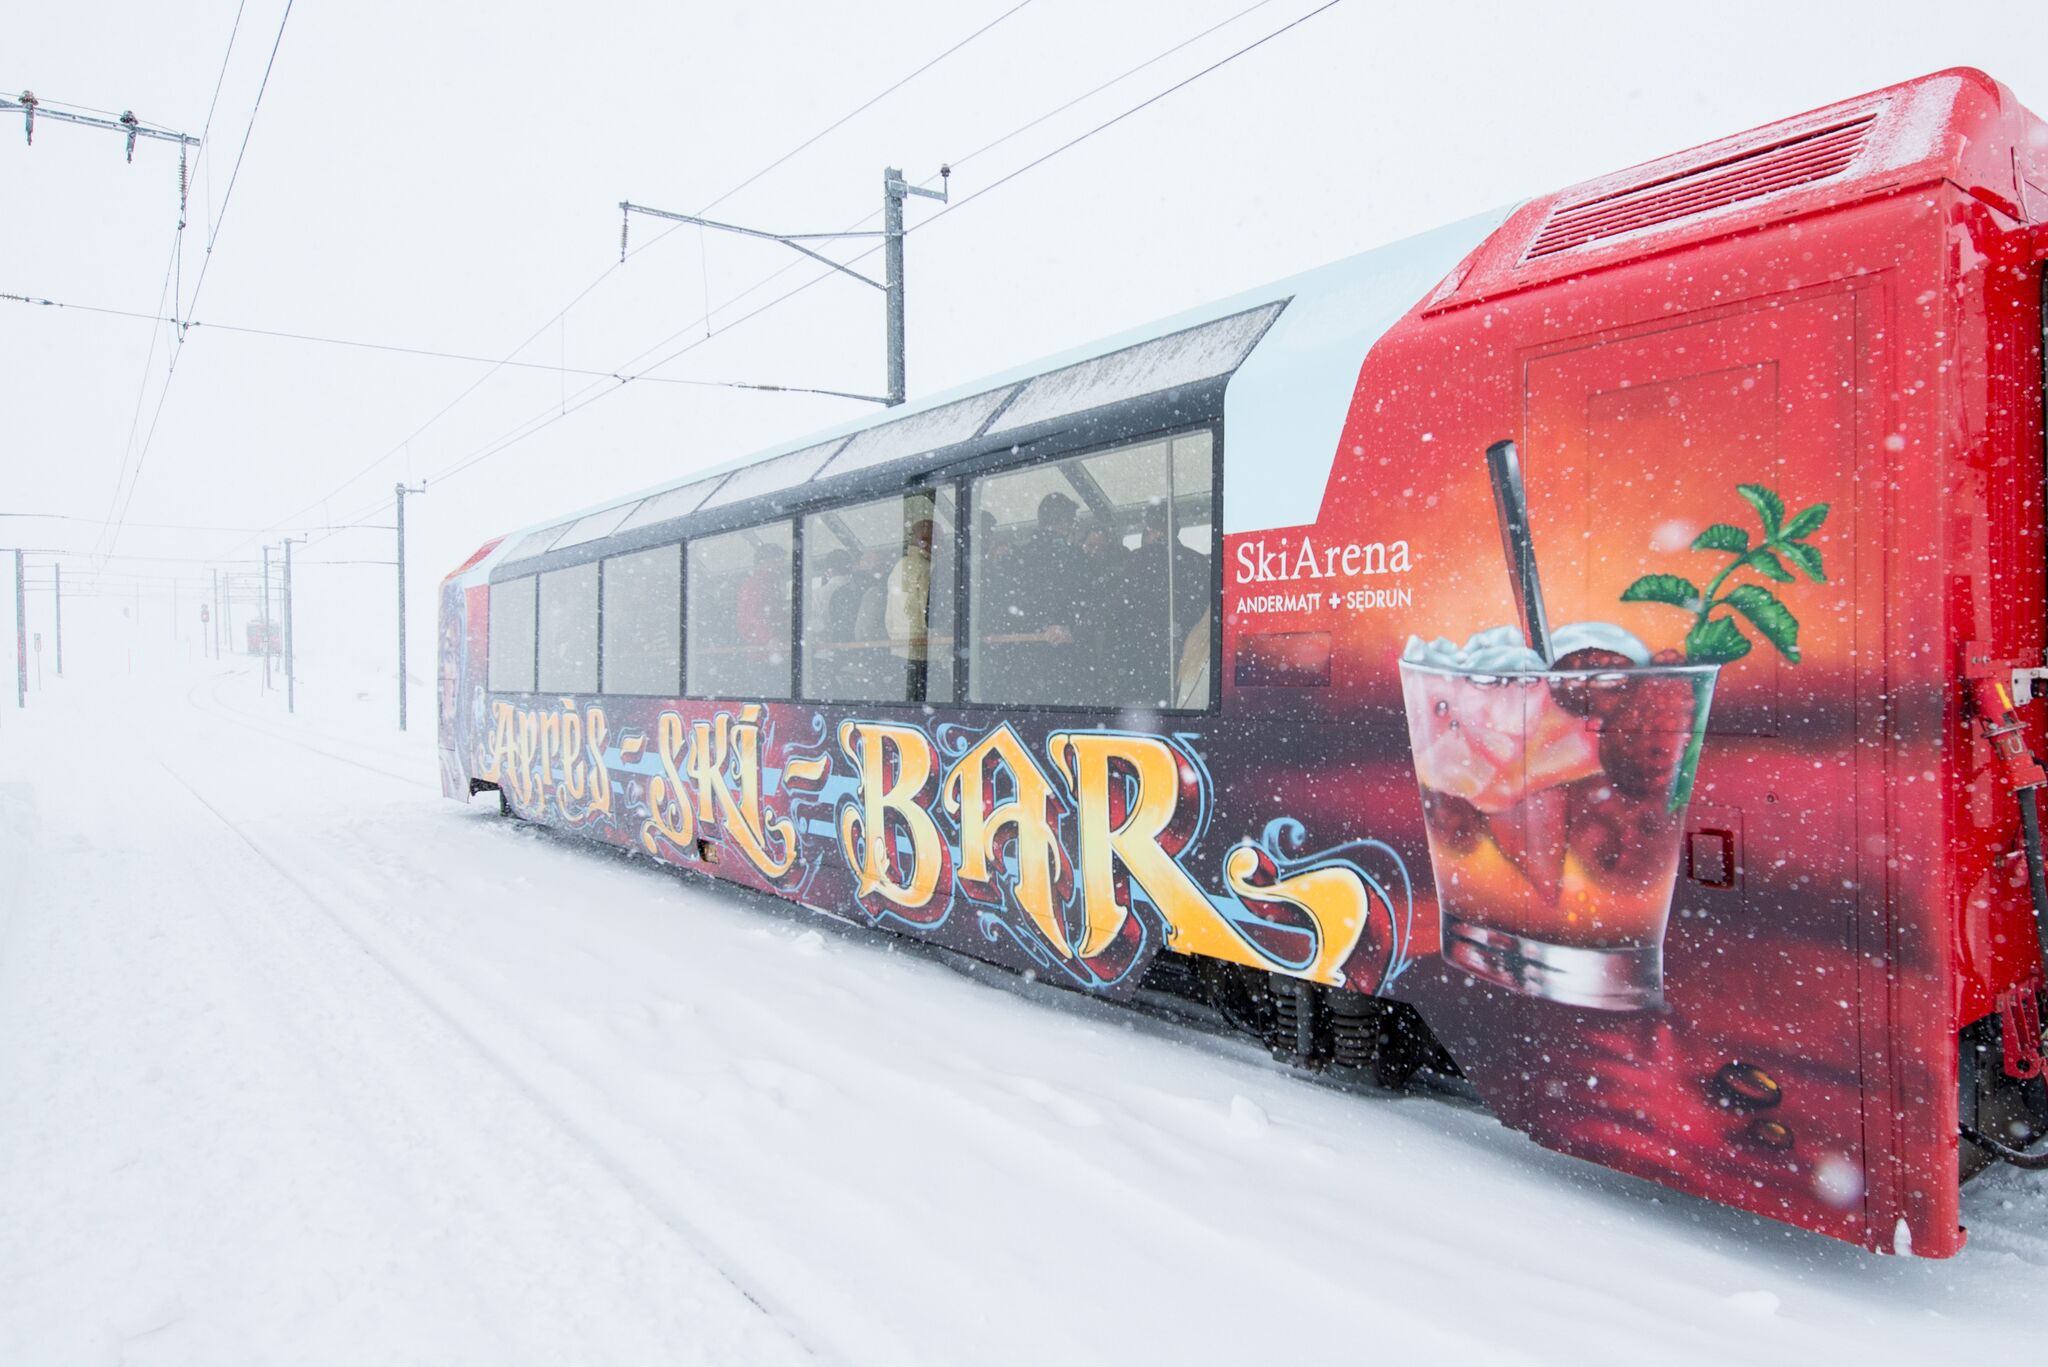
(1279, 363)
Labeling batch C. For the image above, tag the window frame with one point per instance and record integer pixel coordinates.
(597, 645)
(490, 680)
(794, 521)
(681, 548)
(960, 477)
(933, 485)
(962, 665)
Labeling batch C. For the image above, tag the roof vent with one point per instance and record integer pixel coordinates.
(1751, 173)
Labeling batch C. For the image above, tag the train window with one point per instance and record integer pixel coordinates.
(674, 503)
(737, 619)
(593, 527)
(878, 600)
(770, 476)
(1197, 353)
(1091, 579)
(568, 630)
(643, 622)
(511, 628)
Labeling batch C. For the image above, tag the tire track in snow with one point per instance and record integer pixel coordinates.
(1281, 1273)
(234, 716)
(802, 1335)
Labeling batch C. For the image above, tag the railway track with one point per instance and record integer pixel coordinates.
(791, 1323)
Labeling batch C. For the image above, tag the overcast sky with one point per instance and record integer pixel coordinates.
(446, 177)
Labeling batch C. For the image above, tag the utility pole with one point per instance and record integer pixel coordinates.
(402, 491)
(20, 638)
(291, 696)
(57, 566)
(894, 190)
(266, 619)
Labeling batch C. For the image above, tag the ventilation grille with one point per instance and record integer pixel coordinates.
(1749, 174)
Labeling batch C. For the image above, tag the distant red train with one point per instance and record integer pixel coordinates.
(1588, 649)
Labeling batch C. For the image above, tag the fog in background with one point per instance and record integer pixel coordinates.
(446, 177)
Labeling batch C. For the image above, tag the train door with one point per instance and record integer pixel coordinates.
(1718, 454)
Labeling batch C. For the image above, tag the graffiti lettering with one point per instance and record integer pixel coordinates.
(670, 823)
(721, 754)
(1029, 815)
(1079, 856)
(894, 764)
(527, 748)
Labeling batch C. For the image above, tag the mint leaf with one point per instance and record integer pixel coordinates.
(1769, 507)
(1770, 567)
(1806, 558)
(1715, 641)
(1805, 524)
(1722, 537)
(1664, 588)
(1768, 616)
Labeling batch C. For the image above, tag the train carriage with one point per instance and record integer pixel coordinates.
(1689, 830)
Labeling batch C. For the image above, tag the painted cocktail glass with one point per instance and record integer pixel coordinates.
(1555, 805)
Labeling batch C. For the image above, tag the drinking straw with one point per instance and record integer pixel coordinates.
(1512, 506)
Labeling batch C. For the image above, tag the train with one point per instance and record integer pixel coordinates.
(1592, 650)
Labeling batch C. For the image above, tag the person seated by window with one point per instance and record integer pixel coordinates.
(1190, 571)
(908, 602)
(1106, 611)
(1160, 591)
(1043, 585)
(824, 646)
(763, 606)
(841, 600)
(990, 544)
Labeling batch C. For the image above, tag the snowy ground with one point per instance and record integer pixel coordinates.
(301, 1064)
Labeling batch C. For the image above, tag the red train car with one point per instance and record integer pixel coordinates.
(1191, 661)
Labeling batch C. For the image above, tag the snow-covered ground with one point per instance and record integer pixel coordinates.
(301, 1064)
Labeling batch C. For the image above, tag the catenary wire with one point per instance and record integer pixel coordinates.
(134, 477)
(1108, 123)
(609, 270)
(393, 347)
(556, 414)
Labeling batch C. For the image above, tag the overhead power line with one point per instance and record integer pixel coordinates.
(213, 104)
(234, 175)
(663, 236)
(533, 426)
(861, 108)
(395, 348)
(1112, 122)
(118, 510)
(592, 393)
(955, 163)
(1118, 79)
(155, 526)
(126, 123)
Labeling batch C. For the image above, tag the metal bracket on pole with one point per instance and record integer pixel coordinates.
(894, 189)
(794, 241)
(130, 127)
